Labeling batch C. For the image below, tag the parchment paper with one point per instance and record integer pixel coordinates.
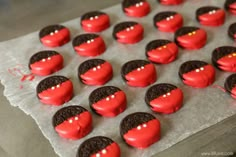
(202, 107)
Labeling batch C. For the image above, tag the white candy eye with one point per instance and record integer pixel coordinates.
(94, 69)
(168, 19)
(112, 96)
(141, 3)
(139, 127)
(127, 29)
(51, 33)
(197, 70)
(164, 95)
(76, 118)
(138, 69)
(43, 60)
(70, 121)
(96, 17)
(201, 68)
(58, 86)
(91, 18)
(92, 40)
(132, 27)
(107, 99)
(49, 58)
(142, 67)
(213, 11)
(144, 125)
(99, 67)
(88, 41)
(104, 151)
(98, 155)
(137, 5)
(171, 17)
(56, 31)
(52, 87)
(168, 94)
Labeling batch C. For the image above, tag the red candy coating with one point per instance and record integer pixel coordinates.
(130, 35)
(98, 75)
(164, 54)
(112, 150)
(57, 39)
(111, 106)
(75, 127)
(170, 24)
(215, 18)
(97, 24)
(200, 78)
(139, 10)
(169, 102)
(58, 95)
(170, 2)
(228, 63)
(47, 65)
(144, 135)
(95, 47)
(193, 40)
(142, 76)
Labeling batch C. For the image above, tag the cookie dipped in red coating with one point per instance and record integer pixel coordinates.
(230, 5)
(140, 129)
(128, 32)
(190, 37)
(230, 85)
(224, 58)
(45, 62)
(108, 101)
(54, 35)
(95, 21)
(139, 73)
(168, 21)
(164, 98)
(161, 51)
(72, 122)
(95, 72)
(197, 74)
(232, 31)
(99, 146)
(55, 90)
(210, 16)
(136, 8)
(170, 2)
(89, 45)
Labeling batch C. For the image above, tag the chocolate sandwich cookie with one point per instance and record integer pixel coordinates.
(168, 21)
(164, 98)
(128, 32)
(230, 6)
(95, 21)
(45, 62)
(224, 58)
(108, 101)
(72, 122)
(99, 146)
(140, 129)
(230, 85)
(210, 16)
(55, 90)
(170, 2)
(197, 74)
(95, 72)
(54, 35)
(89, 45)
(139, 73)
(190, 37)
(232, 31)
(161, 51)
(136, 8)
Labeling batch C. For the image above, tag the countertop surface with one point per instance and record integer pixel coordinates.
(19, 134)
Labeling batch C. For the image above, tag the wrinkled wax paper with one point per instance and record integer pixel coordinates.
(202, 107)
